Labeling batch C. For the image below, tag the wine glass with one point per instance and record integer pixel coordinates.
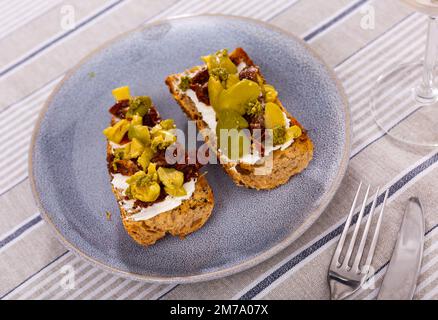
(404, 101)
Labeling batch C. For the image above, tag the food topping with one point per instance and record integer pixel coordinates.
(254, 108)
(231, 80)
(279, 135)
(162, 135)
(172, 180)
(145, 159)
(220, 60)
(250, 73)
(119, 109)
(293, 132)
(125, 167)
(139, 106)
(121, 94)
(151, 118)
(200, 77)
(184, 83)
(133, 149)
(118, 131)
(270, 93)
(241, 99)
(144, 186)
(139, 142)
(187, 167)
(240, 56)
(140, 133)
(214, 88)
(201, 92)
(220, 74)
(229, 119)
(237, 97)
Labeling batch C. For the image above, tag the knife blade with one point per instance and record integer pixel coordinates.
(402, 273)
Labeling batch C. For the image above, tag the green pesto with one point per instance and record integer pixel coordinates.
(254, 108)
(184, 83)
(220, 73)
(118, 155)
(279, 135)
(139, 106)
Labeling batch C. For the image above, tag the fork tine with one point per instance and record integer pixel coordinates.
(346, 227)
(375, 237)
(356, 229)
(365, 234)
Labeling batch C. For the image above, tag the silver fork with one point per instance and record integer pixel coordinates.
(345, 278)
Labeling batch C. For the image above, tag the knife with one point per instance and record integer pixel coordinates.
(401, 277)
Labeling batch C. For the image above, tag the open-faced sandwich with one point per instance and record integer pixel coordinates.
(155, 197)
(229, 93)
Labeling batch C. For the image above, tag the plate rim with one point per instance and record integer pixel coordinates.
(247, 263)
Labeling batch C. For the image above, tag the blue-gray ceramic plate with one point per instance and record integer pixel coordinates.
(68, 166)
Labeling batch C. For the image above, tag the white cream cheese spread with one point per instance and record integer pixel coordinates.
(169, 203)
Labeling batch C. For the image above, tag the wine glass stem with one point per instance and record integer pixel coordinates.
(426, 91)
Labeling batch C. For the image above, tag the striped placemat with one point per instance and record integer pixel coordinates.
(299, 272)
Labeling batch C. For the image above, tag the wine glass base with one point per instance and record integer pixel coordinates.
(426, 95)
(402, 110)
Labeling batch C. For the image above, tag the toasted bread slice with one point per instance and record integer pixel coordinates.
(188, 217)
(286, 163)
